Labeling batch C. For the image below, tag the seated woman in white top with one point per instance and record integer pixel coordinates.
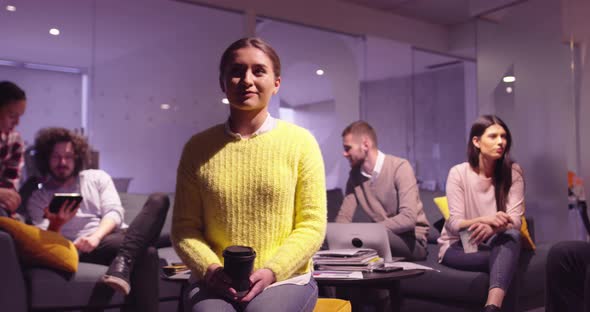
(486, 198)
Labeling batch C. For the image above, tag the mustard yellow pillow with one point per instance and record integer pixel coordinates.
(527, 241)
(443, 206)
(39, 247)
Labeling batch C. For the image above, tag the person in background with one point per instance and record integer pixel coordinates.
(97, 226)
(255, 181)
(385, 188)
(567, 277)
(13, 102)
(486, 198)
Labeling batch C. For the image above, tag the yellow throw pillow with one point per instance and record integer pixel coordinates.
(443, 206)
(527, 241)
(39, 247)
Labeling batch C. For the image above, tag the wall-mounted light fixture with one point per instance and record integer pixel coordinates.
(509, 79)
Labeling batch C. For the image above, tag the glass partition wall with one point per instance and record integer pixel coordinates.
(140, 77)
(143, 79)
(155, 84)
(419, 102)
(320, 86)
(524, 76)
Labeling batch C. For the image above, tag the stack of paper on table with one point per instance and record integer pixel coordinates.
(363, 260)
(338, 274)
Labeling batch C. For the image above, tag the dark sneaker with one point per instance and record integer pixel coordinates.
(117, 276)
(491, 308)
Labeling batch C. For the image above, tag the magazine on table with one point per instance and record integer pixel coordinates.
(338, 274)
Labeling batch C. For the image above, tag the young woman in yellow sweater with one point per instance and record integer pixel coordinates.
(255, 181)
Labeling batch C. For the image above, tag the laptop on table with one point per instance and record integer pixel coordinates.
(360, 235)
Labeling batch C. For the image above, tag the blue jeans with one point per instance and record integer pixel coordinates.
(499, 257)
(287, 297)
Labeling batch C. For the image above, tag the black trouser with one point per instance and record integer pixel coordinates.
(134, 242)
(567, 281)
(406, 245)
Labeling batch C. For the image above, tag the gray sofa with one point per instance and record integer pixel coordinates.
(453, 290)
(42, 289)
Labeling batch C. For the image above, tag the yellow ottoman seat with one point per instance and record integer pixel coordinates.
(332, 305)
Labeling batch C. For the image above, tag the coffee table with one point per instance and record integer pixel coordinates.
(389, 281)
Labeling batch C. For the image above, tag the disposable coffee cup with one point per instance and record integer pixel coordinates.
(468, 247)
(238, 262)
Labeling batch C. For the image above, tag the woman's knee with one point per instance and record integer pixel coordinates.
(512, 234)
(158, 201)
(563, 251)
(198, 299)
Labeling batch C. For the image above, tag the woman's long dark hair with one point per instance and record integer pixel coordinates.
(502, 178)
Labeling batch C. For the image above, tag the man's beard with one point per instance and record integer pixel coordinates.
(61, 178)
(359, 161)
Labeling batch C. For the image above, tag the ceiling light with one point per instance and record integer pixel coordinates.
(10, 8)
(509, 79)
(64, 69)
(165, 106)
(225, 101)
(54, 31)
(9, 63)
(508, 89)
(319, 72)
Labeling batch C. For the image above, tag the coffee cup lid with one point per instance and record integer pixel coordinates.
(239, 251)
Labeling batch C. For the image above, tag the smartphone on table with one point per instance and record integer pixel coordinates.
(386, 269)
(60, 198)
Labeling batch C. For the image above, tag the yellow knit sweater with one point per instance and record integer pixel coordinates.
(267, 192)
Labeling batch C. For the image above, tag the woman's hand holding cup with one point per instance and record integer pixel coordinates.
(259, 280)
(218, 282)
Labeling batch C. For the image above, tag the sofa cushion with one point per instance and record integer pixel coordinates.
(443, 206)
(531, 277)
(12, 285)
(51, 289)
(39, 247)
(432, 213)
(471, 287)
(447, 284)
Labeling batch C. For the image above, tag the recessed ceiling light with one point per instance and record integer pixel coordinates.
(165, 106)
(319, 72)
(10, 8)
(225, 101)
(509, 79)
(54, 31)
(508, 89)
